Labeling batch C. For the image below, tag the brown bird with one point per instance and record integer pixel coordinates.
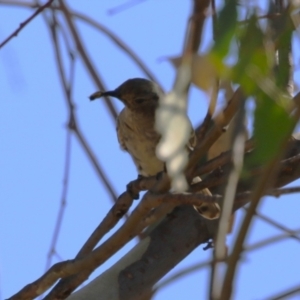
(136, 129)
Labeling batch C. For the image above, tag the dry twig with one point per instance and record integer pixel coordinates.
(26, 22)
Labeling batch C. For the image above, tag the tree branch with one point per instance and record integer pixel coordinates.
(26, 22)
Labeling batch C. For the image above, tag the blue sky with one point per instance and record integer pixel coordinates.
(33, 118)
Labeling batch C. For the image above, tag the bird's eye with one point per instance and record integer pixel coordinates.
(139, 100)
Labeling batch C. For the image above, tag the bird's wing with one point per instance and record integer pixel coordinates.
(120, 136)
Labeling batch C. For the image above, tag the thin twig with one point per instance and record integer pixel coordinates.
(220, 251)
(289, 171)
(285, 294)
(88, 20)
(73, 124)
(215, 20)
(280, 192)
(266, 242)
(222, 159)
(124, 6)
(181, 274)
(275, 193)
(202, 130)
(62, 201)
(67, 155)
(83, 53)
(120, 44)
(204, 264)
(28, 4)
(220, 121)
(26, 22)
(266, 16)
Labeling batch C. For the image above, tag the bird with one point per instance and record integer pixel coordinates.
(136, 130)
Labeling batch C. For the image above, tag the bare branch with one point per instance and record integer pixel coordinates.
(73, 124)
(285, 294)
(122, 205)
(181, 274)
(280, 192)
(215, 132)
(276, 238)
(222, 159)
(123, 235)
(62, 201)
(124, 6)
(274, 223)
(289, 171)
(108, 248)
(87, 61)
(220, 251)
(202, 130)
(23, 24)
(120, 44)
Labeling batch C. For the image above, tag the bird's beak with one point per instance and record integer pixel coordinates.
(101, 94)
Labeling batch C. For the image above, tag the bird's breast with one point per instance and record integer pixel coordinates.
(140, 139)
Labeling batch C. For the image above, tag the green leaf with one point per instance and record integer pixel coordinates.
(252, 56)
(271, 125)
(224, 28)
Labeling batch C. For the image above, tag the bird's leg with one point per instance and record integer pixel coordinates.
(131, 190)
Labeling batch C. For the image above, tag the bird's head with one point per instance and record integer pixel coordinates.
(137, 94)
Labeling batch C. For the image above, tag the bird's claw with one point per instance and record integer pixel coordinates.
(130, 190)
